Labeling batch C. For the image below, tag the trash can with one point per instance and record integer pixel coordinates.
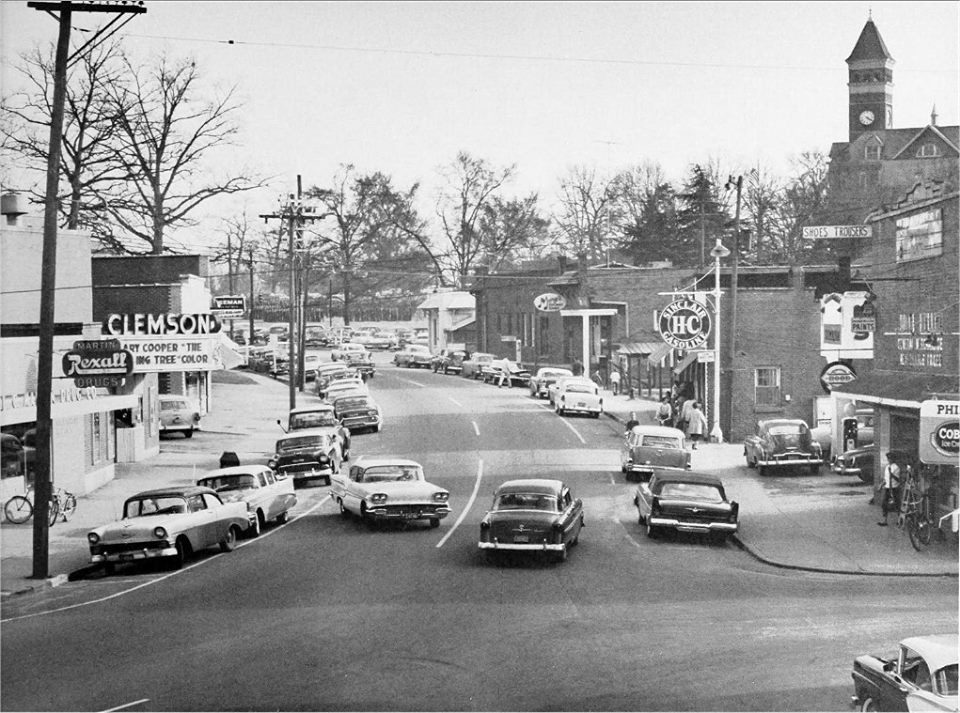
(228, 459)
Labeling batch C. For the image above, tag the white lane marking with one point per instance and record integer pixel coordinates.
(466, 508)
(411, 381)
(476, 428)
(187, 568)
(127, 705)
(455, 401)
(575, 431)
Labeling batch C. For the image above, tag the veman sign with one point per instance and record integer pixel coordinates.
(549, 302)
(684, 324)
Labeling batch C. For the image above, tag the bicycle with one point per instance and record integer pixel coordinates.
(19, 508)
(916, 510)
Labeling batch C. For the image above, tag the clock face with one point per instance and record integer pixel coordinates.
(866, 117)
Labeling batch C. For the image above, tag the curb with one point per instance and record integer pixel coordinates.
(50, 582)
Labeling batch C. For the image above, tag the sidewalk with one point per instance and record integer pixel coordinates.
(827, 528)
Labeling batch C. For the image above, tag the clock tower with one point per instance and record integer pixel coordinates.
(870, 71)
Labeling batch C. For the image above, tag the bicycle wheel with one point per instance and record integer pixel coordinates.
(18, 510)
(53, 512)
(68, 506)
(920, 531)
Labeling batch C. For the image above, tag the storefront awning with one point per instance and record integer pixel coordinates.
(690, 358)
(894, 388)
(638, 348)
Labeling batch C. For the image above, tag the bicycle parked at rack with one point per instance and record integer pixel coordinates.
(916, 509)
(19, 508)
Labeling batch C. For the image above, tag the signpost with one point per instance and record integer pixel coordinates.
(835, 232)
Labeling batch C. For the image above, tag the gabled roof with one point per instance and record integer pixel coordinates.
(930, 129)
(870, 45)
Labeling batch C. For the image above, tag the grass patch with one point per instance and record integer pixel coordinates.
(231, 377)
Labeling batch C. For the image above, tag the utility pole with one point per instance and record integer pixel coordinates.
(732, 341)
(43, 477)
(250, 313)
(292, 212)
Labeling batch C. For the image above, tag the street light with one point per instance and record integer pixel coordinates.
(719, 251)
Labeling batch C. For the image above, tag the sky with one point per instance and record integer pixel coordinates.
(401, 87)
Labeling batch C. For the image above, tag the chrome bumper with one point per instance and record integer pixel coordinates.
(530, 547)
(682, 526)
(145, 553)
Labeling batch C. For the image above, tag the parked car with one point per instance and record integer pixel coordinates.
(413, 355)
(472, 368)
(16, 457)
(316, 336)
(553, 388)
(362, 363)
(540, 382)
(345, 348)
(646, 450)
(578, 396)
(178, 415)
(328, 372)
(382, 340)
(858, 462)
(385, 488)
(823, 434)
(321, 417)
(358, 412)
(308, 455)
(341, 381)
(532, 515)
(442, 362)
(311, 362)
(169, 523)
(686, 502)
(921, 675)
(516, 374)
(347, 387)
(266, 496)
(782, 443)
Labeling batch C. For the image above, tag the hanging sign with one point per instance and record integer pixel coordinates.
(160, 325)
(836, 374)
(549, 302)
(684, 324)
(229, 306)
(939, 432)
(97, 362)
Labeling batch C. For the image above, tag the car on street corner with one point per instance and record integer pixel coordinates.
(306, 456)
(320, 416)
(545, 376)
(170, 523)
(782, 443)
(267, 497)
(921, 675)
(472, 368)
(578, 396)
(532, 515)
(178, 415)
(358, 412)
(413, 356)
(686, 502)
(646, 450)
(386, 488)
(346, 348)
(858, 462)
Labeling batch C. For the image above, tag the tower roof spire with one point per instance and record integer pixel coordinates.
(870, 45)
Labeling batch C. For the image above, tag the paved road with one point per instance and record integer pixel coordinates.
(326, 614)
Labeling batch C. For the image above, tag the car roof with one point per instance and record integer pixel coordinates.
(644, 430)
(301, 432)
(235, 470)
(351, 394)
(367, 461)
(556, 370)
(311, 409)
(548, 486)
(783, 422)
(185, 490)
(688, 477)
(938, 650)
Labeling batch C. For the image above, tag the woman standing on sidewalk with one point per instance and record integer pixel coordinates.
(696, 425)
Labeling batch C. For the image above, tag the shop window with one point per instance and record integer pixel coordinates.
(767, 385)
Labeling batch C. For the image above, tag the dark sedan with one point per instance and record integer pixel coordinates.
(532, 515)
(358, 412)
(858, 462)
(686, 502)
(782, 443)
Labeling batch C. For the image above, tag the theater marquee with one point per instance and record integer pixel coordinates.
(168, 342)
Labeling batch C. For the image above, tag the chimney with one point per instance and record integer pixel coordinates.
(10, 207)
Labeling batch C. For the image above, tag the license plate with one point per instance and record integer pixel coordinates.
(581, 404)
(126, 557)
(520, 539)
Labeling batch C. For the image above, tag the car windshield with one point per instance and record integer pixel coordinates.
(176, 405)
(662, 442)
(292, 444)
(324, 419)
(691, 491)
(155, 505)
(222, 483)
(353, 403)
(555, 372)
(392, 473)
(579, 389)
(787, 429)
(526, 501)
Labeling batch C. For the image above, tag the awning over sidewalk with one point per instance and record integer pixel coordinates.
(690, 358)
(653, 351)
(895, 388)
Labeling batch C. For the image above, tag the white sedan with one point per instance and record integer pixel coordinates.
(381, 488)
(578, 395)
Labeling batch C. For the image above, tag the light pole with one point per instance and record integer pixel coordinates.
(719, 251)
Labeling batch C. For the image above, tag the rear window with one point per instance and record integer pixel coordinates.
(579, 389)
(223, 483)
(787, 429)
(526, 501)
(691, 491)
(661, 442)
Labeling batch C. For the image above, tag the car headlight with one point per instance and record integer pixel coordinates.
(371, 413)
(93, 538)
(441, 497)
(160, 533)
(378, 498)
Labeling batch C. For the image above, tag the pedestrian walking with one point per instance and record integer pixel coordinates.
(890, 488)
(696, 424)
(615, 381)
(504, 375)
(665, 412)
(686, 407)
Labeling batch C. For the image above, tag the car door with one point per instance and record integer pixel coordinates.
(203, 531)
(571, 515)
(354, 490)
(645, 497)
(338, 485)
(894, 687)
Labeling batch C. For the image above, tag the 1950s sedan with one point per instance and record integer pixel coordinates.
(532, 515)
(544, 377)
(307, 455)
(922, 675)
(168, 523)
(646, 450)
(782, 443)
(266, 496)
(686, 502)
(383, 488)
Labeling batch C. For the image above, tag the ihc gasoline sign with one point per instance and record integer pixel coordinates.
(684, 324)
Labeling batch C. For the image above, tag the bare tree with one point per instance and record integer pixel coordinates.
(803, 201)
(89, 128)
(762, 196)
(165, 134)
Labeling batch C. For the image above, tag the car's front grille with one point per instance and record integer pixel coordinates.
(118, 547)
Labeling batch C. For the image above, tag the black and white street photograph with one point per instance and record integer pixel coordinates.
(479, 356)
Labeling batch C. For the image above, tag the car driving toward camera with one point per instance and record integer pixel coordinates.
(267, 497)
(307, 456)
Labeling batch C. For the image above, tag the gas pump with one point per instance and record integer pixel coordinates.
(849, 433)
